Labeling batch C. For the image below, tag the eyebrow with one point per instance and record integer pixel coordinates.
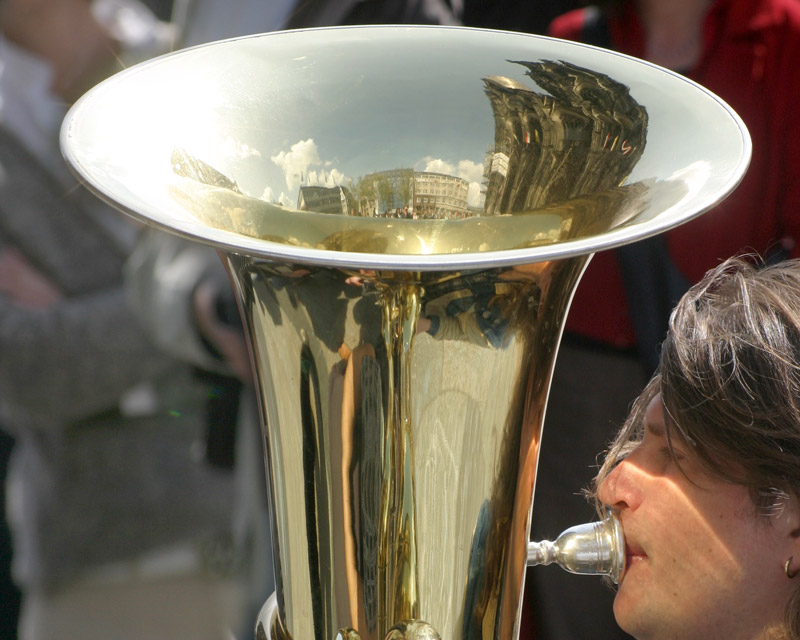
(676, 439)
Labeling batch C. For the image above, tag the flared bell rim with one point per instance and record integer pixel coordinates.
(232, 242)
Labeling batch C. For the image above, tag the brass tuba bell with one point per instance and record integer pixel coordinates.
(405, 213)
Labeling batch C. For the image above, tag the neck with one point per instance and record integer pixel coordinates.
(673, 31)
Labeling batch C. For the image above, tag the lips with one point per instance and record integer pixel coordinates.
(633, 554)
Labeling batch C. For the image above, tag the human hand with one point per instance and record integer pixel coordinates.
(229, 342)
(23, 283)
(67, 35)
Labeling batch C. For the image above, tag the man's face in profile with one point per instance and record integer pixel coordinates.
(700, 562)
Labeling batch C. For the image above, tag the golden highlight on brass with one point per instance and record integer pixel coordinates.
(402, 459)
(553, 173)
(405, 213)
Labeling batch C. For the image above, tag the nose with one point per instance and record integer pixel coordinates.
(623, 487)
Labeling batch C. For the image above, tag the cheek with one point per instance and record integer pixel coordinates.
(709, 535)
(710, 546)
(704, 550)
(686, 581)
(691, 541)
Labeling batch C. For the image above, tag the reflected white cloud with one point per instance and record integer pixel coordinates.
(336, 177)
(297, 164)
(470, 171)
(438, 165)
(475, 196)
(297, 160)
(324, 178)
(285, 200)
(467, 170)
(238, 149)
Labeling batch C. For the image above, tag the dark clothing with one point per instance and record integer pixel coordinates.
(515, 15)
(10, 596)
(315, 13)
(590, 397)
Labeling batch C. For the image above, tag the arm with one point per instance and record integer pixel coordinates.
(71, 360)
(568, 26)
(174, 285)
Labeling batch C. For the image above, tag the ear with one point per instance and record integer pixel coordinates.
(788, 525)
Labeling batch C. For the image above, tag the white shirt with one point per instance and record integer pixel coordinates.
(27, 106)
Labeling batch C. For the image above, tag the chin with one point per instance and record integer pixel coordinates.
(626, 613)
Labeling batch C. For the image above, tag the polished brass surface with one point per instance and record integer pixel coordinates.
(266, 627)
(402, 463)
(405, 213)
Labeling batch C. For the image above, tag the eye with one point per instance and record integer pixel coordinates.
(672, 454)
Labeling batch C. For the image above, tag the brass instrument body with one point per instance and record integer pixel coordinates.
(404, 303)
(414, 454)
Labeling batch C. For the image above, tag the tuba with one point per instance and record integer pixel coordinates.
(405, 214)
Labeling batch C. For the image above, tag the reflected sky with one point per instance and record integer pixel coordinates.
(345, 114)
(327, 107)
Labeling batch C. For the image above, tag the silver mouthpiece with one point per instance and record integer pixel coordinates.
(595, 548)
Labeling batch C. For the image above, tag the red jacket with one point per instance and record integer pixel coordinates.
(751, 55)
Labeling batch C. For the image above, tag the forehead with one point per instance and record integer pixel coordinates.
(656, 423)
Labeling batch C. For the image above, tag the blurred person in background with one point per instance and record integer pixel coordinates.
(742, 50)
(124, 525)
(527, 16)
(206, 20)
(200, 21)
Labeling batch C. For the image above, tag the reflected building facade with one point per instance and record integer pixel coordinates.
(421, 194)
(336, 199)
(438, 195)
(584, 137)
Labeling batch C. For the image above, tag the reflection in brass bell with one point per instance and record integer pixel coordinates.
(412, 630)
(405, 213)
(596, 548)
